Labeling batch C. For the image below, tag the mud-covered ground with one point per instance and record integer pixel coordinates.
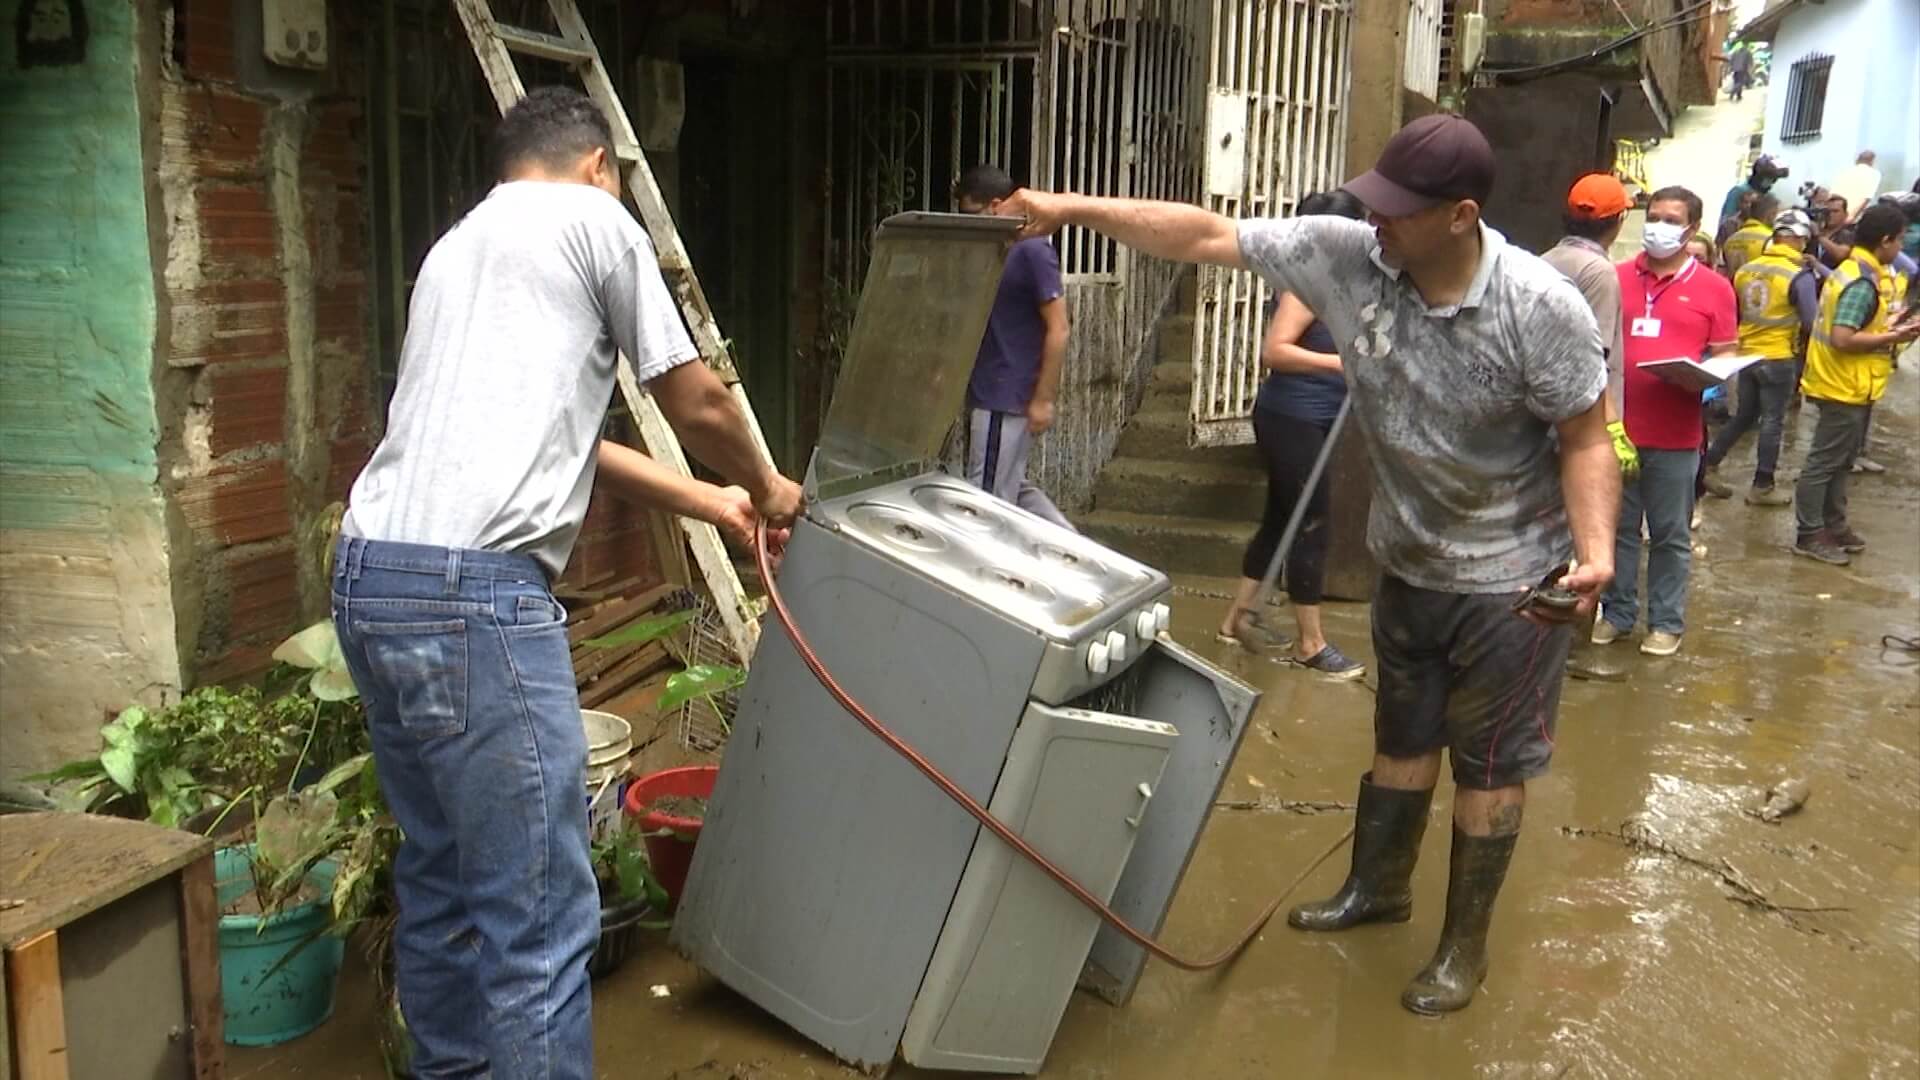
(1611, 957)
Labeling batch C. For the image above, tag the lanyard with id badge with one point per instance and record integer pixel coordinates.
(1647, 326)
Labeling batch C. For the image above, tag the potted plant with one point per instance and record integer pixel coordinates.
(303, 856)
(629, 894)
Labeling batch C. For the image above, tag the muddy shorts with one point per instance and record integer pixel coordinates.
(1464, 672)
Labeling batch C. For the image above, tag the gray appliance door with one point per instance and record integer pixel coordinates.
(1211, 709)
(827, 863)
(1075, 788)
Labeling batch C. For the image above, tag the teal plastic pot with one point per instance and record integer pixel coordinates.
(276, 980)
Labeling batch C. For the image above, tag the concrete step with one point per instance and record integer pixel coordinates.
(1176, 340)
(1172, 544)
(1157, 432)
(1214, 485)
(1171, 378)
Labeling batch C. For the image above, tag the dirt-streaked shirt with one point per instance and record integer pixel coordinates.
(507, 370)
(1457, 404)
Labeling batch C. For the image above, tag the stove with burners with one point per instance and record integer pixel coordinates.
(832, 884)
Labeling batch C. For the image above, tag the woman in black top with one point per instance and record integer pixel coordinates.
(1291, 416)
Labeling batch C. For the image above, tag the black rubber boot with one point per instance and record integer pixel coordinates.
(1459, 965)
(1387, 827)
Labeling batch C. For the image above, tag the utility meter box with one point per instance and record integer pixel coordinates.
(294, 33)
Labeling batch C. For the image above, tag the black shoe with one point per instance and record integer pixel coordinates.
(1821, 547)
(1459, 965)
(1387, 827)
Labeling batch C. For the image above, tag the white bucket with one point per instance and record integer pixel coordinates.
(609, 745)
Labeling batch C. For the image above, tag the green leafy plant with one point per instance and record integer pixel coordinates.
(620, 865)
(696, 682)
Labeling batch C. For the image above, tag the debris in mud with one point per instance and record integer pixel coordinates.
(1784, 798)
(1273, 805)
(1637, 837)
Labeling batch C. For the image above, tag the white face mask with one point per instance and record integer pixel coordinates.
(1664, 238)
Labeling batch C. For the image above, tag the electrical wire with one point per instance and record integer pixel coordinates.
(1699, 10)
(995, 825)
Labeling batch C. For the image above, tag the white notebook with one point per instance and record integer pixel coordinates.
(1692, 374)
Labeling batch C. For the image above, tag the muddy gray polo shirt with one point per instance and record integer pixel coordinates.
(507, 371)
(1457, 404)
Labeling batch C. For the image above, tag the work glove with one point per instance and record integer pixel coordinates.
(1624, 449)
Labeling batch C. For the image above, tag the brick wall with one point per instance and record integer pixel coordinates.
(268, 274)
(266, 410)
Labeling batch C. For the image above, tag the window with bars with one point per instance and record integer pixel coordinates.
(1806, 99)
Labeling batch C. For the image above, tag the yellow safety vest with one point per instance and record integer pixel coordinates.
(1744, 246)
(1850, 377)
(1769, 323)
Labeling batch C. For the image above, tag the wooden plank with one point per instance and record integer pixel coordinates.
(63, 866)
(582, 601)
(599, 662)
(200, 970)
(616, 613)
(635, 668)
(39, 1011)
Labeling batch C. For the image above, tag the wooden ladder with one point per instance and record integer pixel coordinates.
(494, 45)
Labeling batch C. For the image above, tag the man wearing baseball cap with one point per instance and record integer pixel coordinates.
(1769, 327)
(1476, 376)
(1596, 209)
(1766, 172)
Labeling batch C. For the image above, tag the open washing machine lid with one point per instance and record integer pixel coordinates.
(916, 332)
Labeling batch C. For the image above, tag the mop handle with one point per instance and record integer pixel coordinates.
(1292, 530)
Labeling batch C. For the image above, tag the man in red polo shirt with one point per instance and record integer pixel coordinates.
(1672, 307)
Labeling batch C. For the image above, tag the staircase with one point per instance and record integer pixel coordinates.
(1174, 507)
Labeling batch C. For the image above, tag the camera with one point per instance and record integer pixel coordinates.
(1817, 211)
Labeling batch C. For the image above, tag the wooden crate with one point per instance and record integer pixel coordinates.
(112, 959)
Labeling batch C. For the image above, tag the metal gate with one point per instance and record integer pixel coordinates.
(1276, 120)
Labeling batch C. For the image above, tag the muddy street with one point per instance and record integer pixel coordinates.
(1651, 927)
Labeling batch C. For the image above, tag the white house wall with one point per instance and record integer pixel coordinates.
(1873, 96)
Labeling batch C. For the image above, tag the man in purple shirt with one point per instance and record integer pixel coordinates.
(1010, 396)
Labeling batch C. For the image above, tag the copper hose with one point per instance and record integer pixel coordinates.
(994, 825)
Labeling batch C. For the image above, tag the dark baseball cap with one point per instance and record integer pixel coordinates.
(1435, 159)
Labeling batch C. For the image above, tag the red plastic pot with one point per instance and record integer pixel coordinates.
(670, 837)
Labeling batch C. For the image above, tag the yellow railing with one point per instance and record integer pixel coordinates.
(1630, 165)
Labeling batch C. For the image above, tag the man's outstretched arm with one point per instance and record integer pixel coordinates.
(1168, 230)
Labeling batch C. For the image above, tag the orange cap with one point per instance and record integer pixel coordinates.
(1597, 196)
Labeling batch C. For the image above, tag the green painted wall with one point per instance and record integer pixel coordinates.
(76, 269)
(86, 607)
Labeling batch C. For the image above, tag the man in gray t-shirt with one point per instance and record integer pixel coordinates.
(1477, 377)
(466, 513)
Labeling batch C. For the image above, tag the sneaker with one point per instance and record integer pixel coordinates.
(1715, 486)
(1332, 663)
(1768, 496)
(1660, 643)
(1693, 523)
(1820, 547)
(1605, 633)
(1867, 465)
(1849, 541)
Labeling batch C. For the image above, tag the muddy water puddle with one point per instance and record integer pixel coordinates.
(1628, 941)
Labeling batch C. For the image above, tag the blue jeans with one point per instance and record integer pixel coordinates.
(461, 660)
(1764, 390)
(1663, 497)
